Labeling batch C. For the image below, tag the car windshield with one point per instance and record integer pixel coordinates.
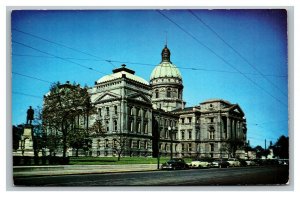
(171, 161)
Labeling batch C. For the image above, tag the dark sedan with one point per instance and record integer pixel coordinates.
(174, 164)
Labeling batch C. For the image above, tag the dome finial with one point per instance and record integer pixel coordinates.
(166, 39)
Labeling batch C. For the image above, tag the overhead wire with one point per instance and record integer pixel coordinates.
(238, 53)
(152, 65)
(118, 61)
(221, 58)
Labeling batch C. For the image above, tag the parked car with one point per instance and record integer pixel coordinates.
(198, 163)
(250, 163)
(175, 164)
(220, 163)
(234, 162)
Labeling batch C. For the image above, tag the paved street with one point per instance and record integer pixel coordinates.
(192, 177)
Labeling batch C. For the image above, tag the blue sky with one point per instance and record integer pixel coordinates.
(210, 67)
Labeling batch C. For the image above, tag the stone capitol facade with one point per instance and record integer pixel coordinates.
(151, 118)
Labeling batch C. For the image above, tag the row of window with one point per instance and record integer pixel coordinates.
(107, 111)
(138, 112)
(183, 136)
(138, 128)
(168, 95)
(118, 143)
(167, 147)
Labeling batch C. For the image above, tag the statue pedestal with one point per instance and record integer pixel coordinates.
(26, 143)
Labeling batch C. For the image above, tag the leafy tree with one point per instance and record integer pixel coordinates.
(64, 108)
(281, 147)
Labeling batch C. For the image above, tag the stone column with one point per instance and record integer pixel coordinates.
(228, 127)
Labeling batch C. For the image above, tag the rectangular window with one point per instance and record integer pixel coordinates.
(190, 147)
(182, 135)
(116, 110)
(183, 148)
(115, 125)
(211, 120)
(190, 134)
(190, 120)
(138, 144)
(106, 143)
(99, 111)
(107, 111)
(212, 147)
(182, 120)
(131, 143)
(146, 128)
(107, 126)
(146, 145)
(166, 133)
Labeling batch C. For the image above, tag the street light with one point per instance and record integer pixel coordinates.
(171, 130)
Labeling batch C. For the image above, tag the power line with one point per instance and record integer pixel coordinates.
(220, 57)
(152, 65)
(117, 61)
(61, 58)
(42, 80)
(238, 53)
(62, 45)
(20, 93)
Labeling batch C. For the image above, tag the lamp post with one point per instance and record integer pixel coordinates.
(171, 129)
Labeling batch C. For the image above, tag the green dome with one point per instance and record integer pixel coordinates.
(165, 69)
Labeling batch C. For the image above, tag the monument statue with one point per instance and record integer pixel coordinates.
(30, 113)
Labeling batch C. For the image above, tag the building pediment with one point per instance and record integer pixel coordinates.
(139, 97)
(106, 97)
(236, 108)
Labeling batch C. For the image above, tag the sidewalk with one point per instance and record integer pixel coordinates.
(25, 171)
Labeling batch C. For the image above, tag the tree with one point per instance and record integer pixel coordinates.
(281, 147)
(64, 108)
(38, 135)
(261, 151)
(230, 146)
(119, 144)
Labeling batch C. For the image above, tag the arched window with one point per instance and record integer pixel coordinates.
(169, 92)
(156, 94)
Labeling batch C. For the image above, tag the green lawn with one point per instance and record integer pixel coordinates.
(114, 160)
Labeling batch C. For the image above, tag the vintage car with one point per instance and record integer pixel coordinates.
(220, 163)
(175, 164)
(200, 163)
(233, 162)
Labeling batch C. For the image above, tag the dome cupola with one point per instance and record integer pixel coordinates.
(165, 55)
(165, 69)
(166, 84)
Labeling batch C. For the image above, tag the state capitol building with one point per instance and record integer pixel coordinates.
(152, 119)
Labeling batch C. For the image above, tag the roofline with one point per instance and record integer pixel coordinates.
(216, 100)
